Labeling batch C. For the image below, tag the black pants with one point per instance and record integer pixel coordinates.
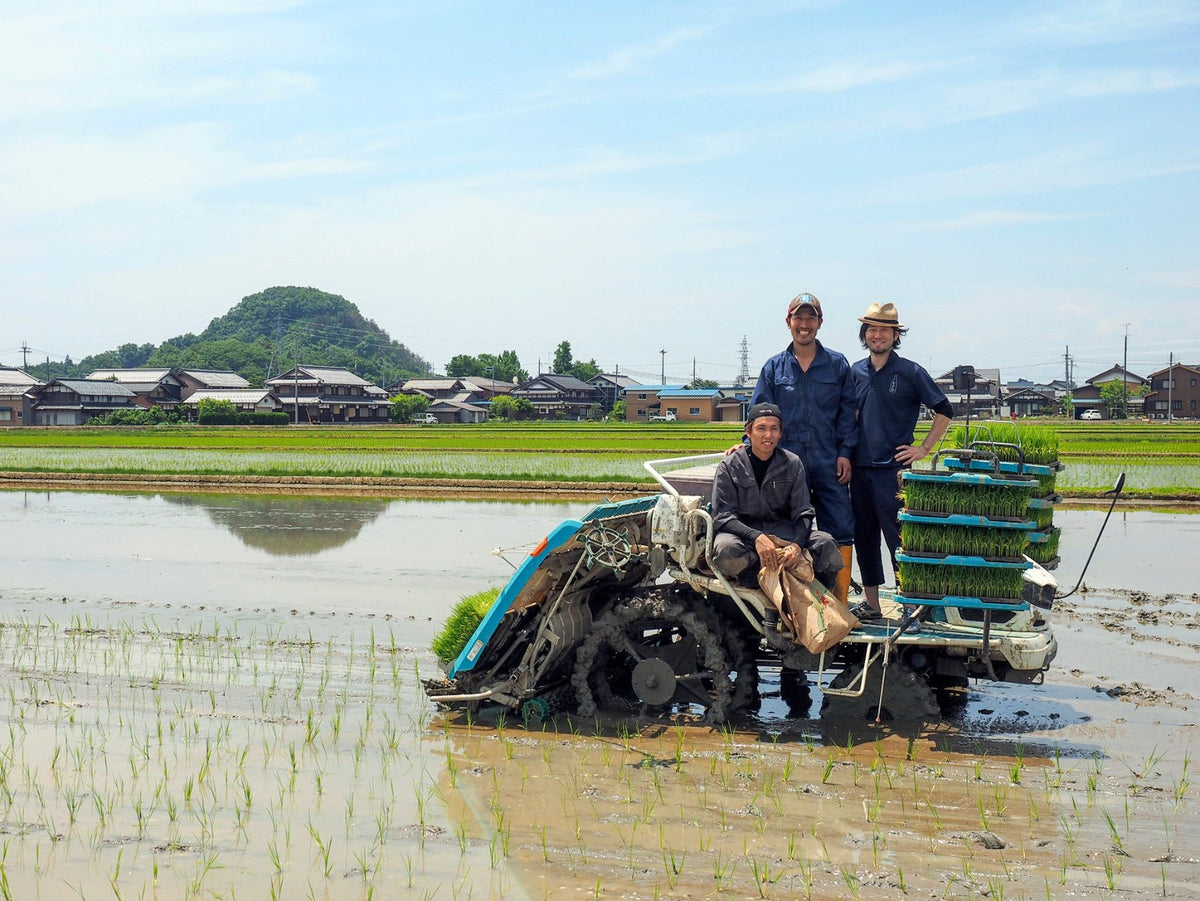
(874, 495)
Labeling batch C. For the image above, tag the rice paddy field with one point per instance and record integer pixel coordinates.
(1161, 460)
(190, 712)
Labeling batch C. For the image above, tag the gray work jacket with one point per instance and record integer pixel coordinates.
(781, 506)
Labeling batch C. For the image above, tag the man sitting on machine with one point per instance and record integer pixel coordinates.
(759, 495)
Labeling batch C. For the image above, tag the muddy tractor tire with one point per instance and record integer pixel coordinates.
(906, 697)
(653, 652)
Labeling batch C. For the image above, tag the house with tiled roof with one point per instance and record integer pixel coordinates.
(330, 394)
(556, 396)
(15, 403)
(210, 379)
(246, 400)
(982, 398)
(1174, 393)
(1087, 395)
(612, 386)
(76, 401)
(158, 387)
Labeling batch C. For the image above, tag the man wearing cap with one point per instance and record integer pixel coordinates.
(889, 392)
(813, 387)
(760, 491)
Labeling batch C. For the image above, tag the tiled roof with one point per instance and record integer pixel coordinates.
(93, 387)
(215, 378)
(139, 376)
(233, 395)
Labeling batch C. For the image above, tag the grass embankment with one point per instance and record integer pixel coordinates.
(1161, 460)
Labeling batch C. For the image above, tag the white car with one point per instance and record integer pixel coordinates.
(1090, 414)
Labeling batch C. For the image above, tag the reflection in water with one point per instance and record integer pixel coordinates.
(287, 525)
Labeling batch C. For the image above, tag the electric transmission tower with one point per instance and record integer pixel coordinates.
(744, 373)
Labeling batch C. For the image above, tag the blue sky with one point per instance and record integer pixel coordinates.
(631, 177)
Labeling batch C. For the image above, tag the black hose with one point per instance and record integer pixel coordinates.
(1115, 491)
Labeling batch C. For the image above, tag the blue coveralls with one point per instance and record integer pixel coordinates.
(819, 425)
(889, 402)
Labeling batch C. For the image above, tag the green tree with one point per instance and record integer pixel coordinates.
(503, 407)
(505, 367)
(407, 407)
(704, 383)
(563, 361)
(617, 414)
(585, 371)
(216, 412)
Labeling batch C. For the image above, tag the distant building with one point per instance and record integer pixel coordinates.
(246, 400)
(984, 394)
(1174, 393)
(158, 387)
(327, 394)
(457, 411)
(75, 401)
(1087, 395)
(642, 401)
(216, 379)
(611, 386)
(555, 396)
(15, 403)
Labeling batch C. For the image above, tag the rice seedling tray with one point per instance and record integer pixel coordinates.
(960, 560)
(950, 600)
(966, 519)
(1033, 469)
(1006, 480)
(1044, 503)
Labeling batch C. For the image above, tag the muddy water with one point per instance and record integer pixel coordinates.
(217, 696)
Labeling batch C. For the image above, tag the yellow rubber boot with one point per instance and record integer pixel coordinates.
(841, 588)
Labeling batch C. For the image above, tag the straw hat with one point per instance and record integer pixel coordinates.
(882, 314)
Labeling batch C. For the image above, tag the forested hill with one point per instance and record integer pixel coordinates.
(268, 333)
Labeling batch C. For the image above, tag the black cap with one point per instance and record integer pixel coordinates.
(763, 410)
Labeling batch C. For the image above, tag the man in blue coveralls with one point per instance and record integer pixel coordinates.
(815, 390)
(890, 391)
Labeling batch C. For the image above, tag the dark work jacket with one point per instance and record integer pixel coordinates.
(780, 507)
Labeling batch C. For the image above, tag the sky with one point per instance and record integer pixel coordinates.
(650, 181)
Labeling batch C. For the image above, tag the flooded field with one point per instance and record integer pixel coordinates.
(218, 696)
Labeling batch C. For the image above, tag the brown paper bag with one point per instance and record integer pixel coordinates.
(810, 614)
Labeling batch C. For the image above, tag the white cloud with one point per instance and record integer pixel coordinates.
(630, 58)
(1113, 21)
(988, 219)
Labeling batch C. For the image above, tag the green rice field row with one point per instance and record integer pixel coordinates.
(1167, 478)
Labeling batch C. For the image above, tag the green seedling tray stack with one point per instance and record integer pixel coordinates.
(1021, 450)
(963, 536)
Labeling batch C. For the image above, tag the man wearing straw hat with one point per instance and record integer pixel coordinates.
(814, 389)
(889, 391)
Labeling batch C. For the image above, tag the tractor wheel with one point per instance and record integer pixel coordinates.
(906, 696)
(652, 652)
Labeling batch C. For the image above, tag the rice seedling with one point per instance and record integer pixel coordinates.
(965, 497)
(462, 622)
(1045, 551)
(1037, 444)
(960, 581)
(929, 538)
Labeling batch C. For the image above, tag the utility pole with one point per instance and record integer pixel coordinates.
(663, 353)
(25, 348)
(1170, 385)
(693, 372)
(1125, 377)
